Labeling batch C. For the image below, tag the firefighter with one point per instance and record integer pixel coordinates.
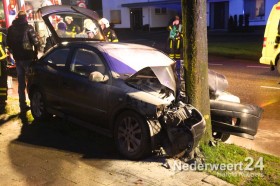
(71, 28)
(175, 39)
(109, 33)
(3, 70)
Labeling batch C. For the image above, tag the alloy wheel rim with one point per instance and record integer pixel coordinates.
(129, 134)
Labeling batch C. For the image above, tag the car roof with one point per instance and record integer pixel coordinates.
(109, 45)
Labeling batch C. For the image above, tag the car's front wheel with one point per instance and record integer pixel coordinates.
(132, 135)
(222, 136)
(38, 106)
(278, 66)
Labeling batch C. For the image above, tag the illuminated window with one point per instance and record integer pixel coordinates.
(115, 16)
(255, 9)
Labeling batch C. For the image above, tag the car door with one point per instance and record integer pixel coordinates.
(85, 99)
(50, 75)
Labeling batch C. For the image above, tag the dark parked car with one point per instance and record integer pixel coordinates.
(228, 115)
(122, 90)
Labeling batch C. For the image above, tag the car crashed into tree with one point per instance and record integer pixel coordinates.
(123, 90)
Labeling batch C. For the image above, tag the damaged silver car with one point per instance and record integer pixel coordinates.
(126, 91)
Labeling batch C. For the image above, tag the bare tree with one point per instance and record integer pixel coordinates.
(195, 52)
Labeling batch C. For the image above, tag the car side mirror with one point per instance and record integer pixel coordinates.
(98, 77)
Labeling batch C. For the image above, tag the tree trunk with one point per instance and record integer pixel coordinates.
(195, 52)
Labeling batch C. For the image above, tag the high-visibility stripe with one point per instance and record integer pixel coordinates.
(171, 44)
(3, 89)
(3, 94)
(2, 52)
(178, 44)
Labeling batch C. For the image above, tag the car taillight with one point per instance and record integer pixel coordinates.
(264, 42)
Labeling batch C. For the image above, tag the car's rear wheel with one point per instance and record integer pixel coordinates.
(132, 135)
(38, 106)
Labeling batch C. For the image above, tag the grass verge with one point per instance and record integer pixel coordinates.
(12, 111)
(243, 166)
(246, 50)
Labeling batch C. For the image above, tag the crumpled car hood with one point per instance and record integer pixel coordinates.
(159, 81)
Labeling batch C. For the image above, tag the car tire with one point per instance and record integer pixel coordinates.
(278, 66)
(38, 106)
(222, 136)
(132, 136)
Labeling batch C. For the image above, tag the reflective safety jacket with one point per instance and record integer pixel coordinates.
(72, 29)
(111, 35)
(3, 54)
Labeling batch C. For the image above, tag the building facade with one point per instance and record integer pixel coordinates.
(138, 14)
(10, 8)
(219, 11)
(135, 14)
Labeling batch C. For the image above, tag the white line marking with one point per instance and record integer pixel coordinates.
(277, 88)
(215, 64)
(257, 67)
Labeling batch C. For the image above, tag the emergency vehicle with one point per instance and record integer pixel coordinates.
(271, 42)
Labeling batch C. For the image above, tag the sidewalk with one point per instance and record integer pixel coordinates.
(39, 154)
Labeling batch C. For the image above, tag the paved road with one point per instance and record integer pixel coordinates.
(254, 84)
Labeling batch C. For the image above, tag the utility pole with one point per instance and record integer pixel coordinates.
(195, 52)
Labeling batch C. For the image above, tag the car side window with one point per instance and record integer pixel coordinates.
(58, 58)
(85, 62)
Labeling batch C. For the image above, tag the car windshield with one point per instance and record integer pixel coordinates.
(127, 61)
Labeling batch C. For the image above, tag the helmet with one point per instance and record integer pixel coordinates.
(87, 22)
(105, 22)
(89, 26)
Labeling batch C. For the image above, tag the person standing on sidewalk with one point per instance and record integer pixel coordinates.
(3, 70)
(108, 32)
(24, 45)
